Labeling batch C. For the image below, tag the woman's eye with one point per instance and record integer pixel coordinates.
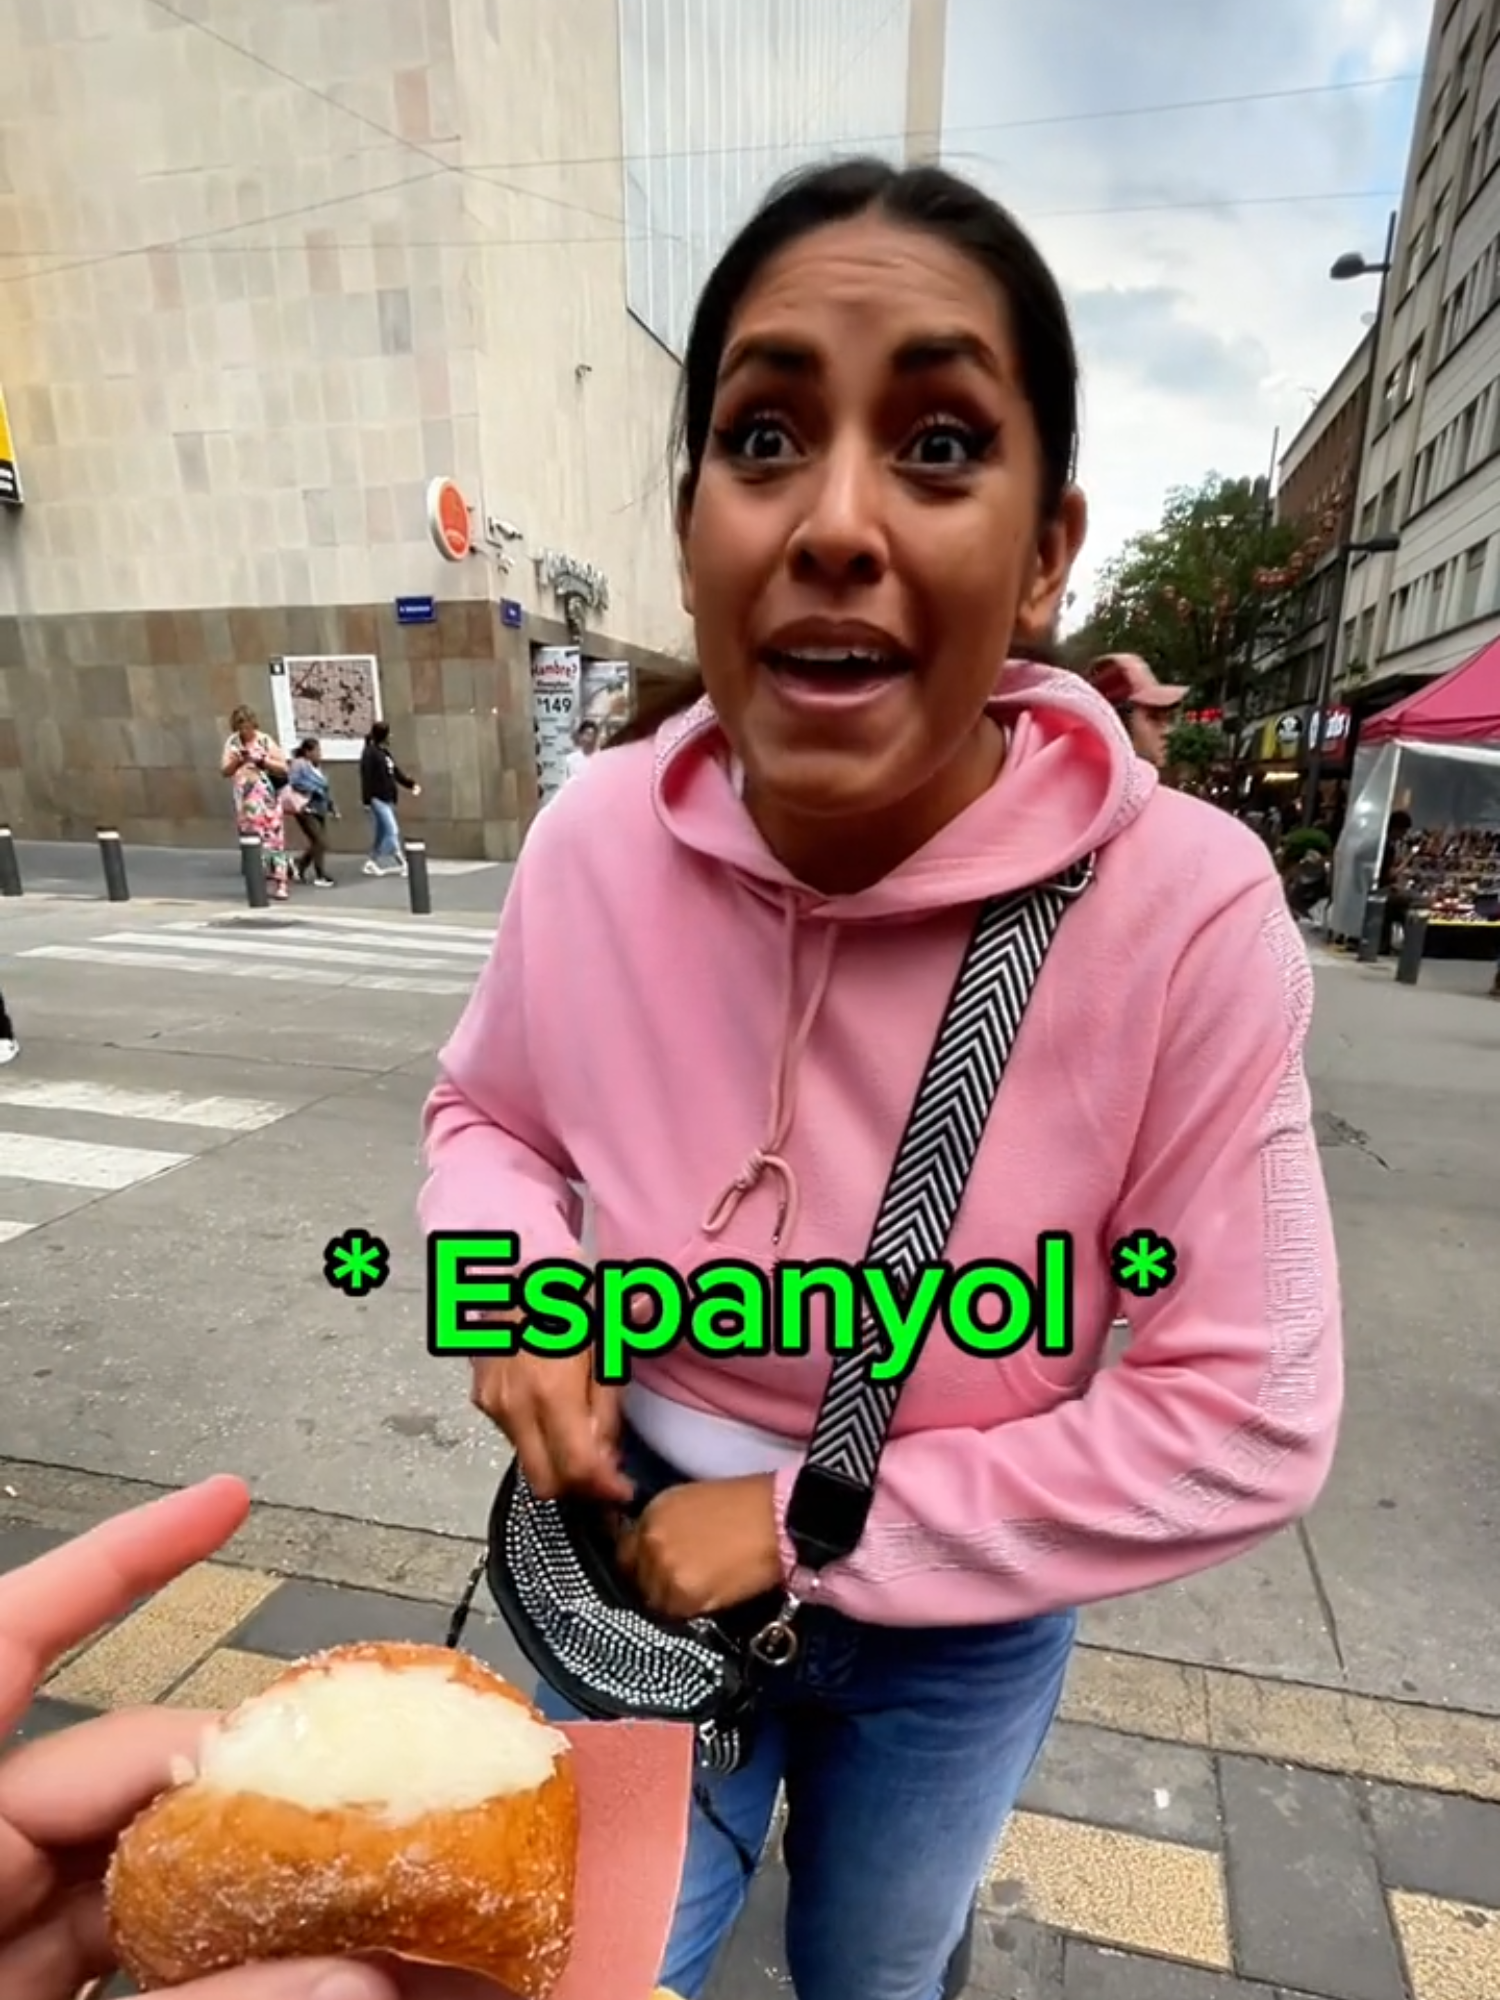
(948, 444)
(761, 440)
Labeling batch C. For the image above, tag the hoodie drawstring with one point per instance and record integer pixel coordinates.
(767, 1159)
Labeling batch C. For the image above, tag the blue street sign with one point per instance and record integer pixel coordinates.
(512, 613)
(415, 610)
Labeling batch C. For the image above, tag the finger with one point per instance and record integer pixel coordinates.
(52, 1603)
(85, 1783)
(579, 1461)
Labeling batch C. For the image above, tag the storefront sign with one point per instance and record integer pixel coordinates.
(556, 678)
(448, 520)
(605, 695)
(1335, 733)
(11, 493)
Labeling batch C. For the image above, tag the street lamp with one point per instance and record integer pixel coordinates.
(1372, 545)
(1354, 263)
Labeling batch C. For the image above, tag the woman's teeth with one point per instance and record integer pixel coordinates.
(835, 659)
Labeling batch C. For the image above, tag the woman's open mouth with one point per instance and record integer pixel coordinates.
(834, 676)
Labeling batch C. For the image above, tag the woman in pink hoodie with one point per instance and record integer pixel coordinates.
(719, 972)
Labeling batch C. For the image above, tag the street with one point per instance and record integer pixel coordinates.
(1282, 1779)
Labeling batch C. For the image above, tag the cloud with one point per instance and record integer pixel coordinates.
(1193, 245)
(1145, 333)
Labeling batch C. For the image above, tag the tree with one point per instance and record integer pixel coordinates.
(1196, 594)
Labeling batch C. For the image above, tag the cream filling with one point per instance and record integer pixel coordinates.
(402, 1742)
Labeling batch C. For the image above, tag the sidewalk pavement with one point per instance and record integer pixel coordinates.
(1190, 1834)
(73, 869)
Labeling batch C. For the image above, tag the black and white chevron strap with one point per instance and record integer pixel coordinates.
(937, 1152)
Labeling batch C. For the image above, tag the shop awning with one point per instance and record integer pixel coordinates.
(1463, 706)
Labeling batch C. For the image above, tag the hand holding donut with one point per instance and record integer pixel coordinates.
(64, 1799)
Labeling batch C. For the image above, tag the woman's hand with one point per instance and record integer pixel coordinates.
(65, 1798)
(564, 1425)
(701, 1547)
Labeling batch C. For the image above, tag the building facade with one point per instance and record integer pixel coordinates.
(1316, 480)
(262, 282)
(1432, 454)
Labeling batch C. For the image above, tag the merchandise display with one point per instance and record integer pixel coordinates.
(1453, 873)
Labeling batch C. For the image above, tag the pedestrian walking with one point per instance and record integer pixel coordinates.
(1006, 996)
(381, 782)
(256, 767)
(309, 798)
(10, 1046)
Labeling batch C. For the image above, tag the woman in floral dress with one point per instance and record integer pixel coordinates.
(253, 762)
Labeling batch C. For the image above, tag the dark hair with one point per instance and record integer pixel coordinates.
(925, 198)
(379, 731)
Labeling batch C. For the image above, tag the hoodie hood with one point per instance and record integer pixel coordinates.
(1071, 783)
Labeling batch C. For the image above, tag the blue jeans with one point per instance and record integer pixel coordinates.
(902, 1753)
(387, 831)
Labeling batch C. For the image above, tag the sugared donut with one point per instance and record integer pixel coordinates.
(377, 1797)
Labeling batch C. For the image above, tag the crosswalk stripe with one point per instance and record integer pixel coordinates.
(264, 967)
(478, 939)
(243, 947)
(299, 937)
(27, 1156)
(154, 1107)
(9, 1231)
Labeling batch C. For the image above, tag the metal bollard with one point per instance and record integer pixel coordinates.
(418, 884)
(1413, 948)
(1373, 929)
(112, 854)
(253, 868)
(10, 866)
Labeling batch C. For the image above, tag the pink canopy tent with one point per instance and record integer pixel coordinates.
(1463, 706)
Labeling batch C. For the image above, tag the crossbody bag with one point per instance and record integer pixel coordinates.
(550, 1563)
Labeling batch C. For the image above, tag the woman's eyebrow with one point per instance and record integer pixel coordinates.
(780, 357)
(940, 350)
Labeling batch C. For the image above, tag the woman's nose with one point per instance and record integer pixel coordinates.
(842, 536)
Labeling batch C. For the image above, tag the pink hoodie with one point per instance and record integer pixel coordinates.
(658, 979)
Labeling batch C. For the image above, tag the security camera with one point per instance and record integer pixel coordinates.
(505, 531)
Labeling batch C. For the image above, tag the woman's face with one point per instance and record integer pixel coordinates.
(864, 543)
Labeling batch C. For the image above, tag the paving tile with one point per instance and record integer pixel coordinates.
(1437, 1845)
(1142, 1697)
(302, 1618)
(1015, 1960)
(1308, 1909)
(751, 1964)
(225, 1679)
(1453, 1950)
(21, 1544)
(1161, 1790)
(43, 1718)
(1093, 1972)
(151, 1650)
(1116, 1888)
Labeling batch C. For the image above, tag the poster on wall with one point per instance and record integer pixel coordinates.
(335, 697)
(11, 494)
(605, 696)
(556, 677)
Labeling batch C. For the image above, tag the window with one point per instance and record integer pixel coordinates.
(1367, 520)
(1414, 249)
(1411, 374)
(1365, 638)
(1463, 450)
(1421, 481)
(1432, 610)
(1385, 520)
(1471, 573)
(1481, 151)
(1400, 616)
(1440, 218)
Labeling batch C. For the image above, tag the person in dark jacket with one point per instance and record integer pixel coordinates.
(381, 780)
(10, 1048)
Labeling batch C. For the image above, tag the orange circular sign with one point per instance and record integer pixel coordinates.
(448, 520)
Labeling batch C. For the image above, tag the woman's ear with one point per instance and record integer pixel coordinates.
(682, 518)
(1057, 550)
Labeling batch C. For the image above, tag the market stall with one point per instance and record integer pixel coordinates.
(1435, 757)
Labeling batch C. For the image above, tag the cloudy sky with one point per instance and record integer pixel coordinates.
(1199, 289)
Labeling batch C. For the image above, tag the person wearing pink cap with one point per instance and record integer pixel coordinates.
(1149, 711)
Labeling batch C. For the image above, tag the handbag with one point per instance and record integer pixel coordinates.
(550, 1563)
